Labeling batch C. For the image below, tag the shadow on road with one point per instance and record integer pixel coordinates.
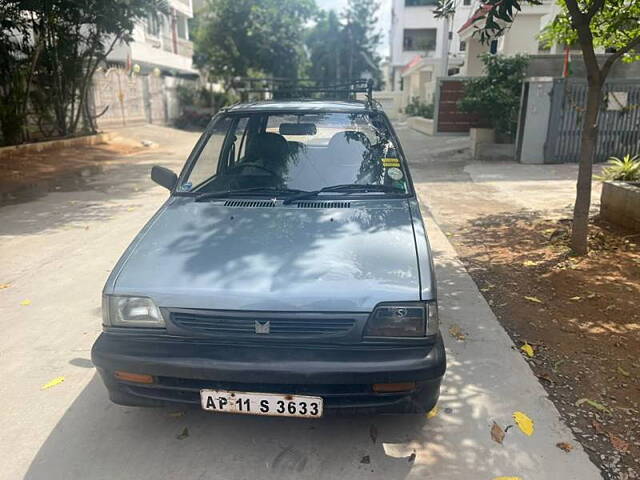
(96, 439)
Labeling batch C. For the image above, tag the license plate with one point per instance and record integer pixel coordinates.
(272, 404)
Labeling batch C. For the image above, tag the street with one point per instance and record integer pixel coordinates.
(56, 252)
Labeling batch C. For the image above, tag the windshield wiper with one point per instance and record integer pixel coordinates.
(346, 188)
(244, 191)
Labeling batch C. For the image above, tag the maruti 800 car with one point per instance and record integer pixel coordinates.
(288, 273)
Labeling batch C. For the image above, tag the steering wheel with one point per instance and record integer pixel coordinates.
(258, 166)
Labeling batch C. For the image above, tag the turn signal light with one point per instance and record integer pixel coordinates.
(393, 387)
(133, 377)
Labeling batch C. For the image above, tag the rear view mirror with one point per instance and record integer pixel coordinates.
(298, 129)
(164, 177)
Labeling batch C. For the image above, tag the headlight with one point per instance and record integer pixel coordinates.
(403, 320)
(131, 312)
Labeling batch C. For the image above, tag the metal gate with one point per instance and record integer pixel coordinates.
(447, 116)
(618, 120)
(118, 98)
(155, 101)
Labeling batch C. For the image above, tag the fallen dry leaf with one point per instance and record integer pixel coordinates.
(433, 412)
(373, 433)
(545, 376)
(497, 433)
(25, 303)
(4, 285)
(524, 423)
(530, 263)
(184, 434)
(457, 333)
(618, 443)
(533, 299)
(597, 426)
(567, 447)
(528, 349)
(507, 478)
(623, 372)
(52, 383)
(594, 404)
(575, 298)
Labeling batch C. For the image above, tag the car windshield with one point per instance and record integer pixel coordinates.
(263, 153)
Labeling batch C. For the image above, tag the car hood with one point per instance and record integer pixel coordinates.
(277, 258)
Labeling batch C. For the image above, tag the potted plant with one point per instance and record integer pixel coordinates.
(620, 199)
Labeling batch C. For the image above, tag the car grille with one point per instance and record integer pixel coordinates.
(247, 326)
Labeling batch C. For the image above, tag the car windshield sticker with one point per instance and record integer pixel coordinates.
(390, 162)
(395, 173)
(186, 187)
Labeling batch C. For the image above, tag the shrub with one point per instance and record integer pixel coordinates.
(418, 108)
(626, 169)
(496, 97)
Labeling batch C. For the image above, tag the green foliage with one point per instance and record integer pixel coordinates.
(626, 169)
(418, 108)
(324, 42)
(344, 50)
(445, 9)
(496, 97)
(49, 50)
(233, 37)
(190, 96)
(615, 26)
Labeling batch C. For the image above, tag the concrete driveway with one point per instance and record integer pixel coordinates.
(57, 251)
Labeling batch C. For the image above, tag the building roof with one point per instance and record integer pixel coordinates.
(480, 12)
(301, 106)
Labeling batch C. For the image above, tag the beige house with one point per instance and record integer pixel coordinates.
(520, 38)
(418, 75)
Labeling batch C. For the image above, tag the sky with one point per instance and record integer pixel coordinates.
(384, 19)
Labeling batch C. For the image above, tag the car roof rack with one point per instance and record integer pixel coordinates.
(285, 89)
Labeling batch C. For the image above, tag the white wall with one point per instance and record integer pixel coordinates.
(521, 37)
(404, 17)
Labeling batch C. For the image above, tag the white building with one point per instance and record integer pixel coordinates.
(416, 33)
(418, 42)
(161, 42)
(140, 81)
(520, 38)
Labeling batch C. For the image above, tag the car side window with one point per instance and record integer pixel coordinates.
(207, 164)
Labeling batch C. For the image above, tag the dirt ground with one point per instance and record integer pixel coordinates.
(28, 174)
(579, 315)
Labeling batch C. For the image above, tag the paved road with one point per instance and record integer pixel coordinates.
(57, 252)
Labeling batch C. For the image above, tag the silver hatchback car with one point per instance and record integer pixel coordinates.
(288, 273)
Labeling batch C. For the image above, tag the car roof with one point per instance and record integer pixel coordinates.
(301, 106)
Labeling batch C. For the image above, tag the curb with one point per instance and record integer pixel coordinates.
(55, 144)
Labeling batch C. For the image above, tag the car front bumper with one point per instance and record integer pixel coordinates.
(342, 376)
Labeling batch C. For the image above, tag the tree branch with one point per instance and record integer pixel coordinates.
(595, 7)
(580, 22)
(615, 56)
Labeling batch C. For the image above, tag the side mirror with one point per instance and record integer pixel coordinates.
(164, 177)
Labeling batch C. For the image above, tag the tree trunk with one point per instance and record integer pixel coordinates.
(580, 230)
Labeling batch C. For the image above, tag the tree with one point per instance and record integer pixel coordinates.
(613, 25)
(345, 48)
(236, 37)
(362, 37)
(50, 50)
(18, 55)
(325, 45)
